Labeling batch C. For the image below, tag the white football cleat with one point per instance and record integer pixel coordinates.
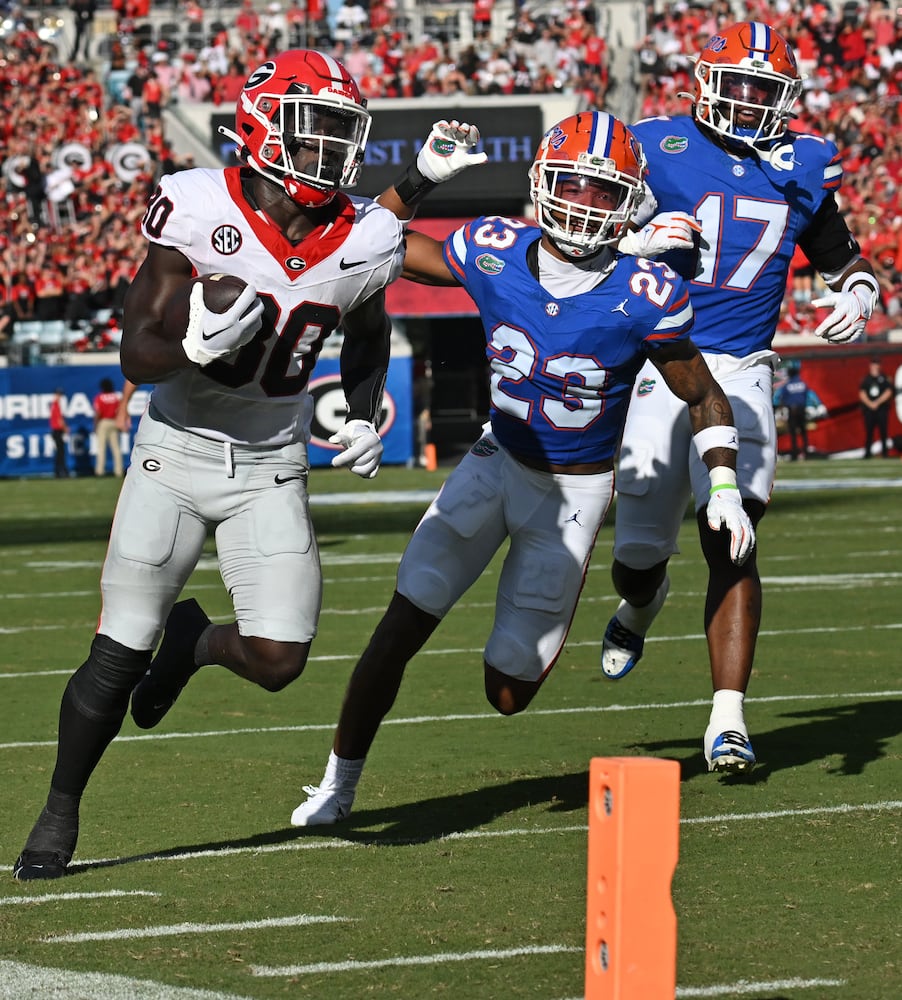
(324, 806)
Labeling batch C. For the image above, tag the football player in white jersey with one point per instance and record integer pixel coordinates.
(754, 190)
(568, 323)
(223, 443)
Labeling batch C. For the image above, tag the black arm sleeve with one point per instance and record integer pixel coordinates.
(364, 366)
(827, 242)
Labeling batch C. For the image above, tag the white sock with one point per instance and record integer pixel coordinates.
(726, 711)
(342, 773)
(639, 620)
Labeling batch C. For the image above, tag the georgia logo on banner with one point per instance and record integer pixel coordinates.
(330, 410)
(128, 159)
(72, 154)
(12, 171)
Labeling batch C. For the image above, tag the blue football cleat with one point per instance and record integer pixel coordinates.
(621, 650)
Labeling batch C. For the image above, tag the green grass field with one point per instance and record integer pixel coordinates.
(461, 872)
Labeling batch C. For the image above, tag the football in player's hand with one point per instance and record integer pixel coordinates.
(220, 293)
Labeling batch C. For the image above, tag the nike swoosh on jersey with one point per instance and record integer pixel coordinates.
(346, 265)
(280, 480)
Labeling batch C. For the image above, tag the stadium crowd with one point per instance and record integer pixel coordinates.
(69, 240)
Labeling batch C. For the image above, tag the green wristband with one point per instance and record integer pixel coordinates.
(723, 486)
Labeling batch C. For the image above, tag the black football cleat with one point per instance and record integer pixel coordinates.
(33, 865)
(172, 667)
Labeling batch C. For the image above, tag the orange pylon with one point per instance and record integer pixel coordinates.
(634, 831)
(431, 457)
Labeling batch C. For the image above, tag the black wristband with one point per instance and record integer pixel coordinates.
(411, 187)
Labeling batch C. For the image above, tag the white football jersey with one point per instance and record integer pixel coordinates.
(259, 396)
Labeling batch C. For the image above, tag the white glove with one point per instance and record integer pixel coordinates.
(446, 151)
(666, 231)
(725, 510)
(851, 311)
(363, 448)
(210, 336)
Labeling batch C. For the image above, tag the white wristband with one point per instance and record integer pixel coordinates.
(719, 436)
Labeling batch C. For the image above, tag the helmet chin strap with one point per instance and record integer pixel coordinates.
(576, 255)
(289, 186)
(295, 188)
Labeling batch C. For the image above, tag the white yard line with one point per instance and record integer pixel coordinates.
(335, 843)
(417, 720)
(177, 930)
(19, 981)
(53, 897)
(744, 988)
(317, 968)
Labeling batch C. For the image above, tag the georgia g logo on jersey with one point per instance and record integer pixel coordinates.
(226, 240)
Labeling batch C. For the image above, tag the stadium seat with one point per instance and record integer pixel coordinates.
(171, 33)
(215, 29)
(194, 36)
(142, 37)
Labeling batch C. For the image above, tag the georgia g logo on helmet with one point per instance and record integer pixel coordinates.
(301, 122)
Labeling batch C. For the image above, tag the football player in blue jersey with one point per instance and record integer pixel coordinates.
(568, 324)
(756, 191)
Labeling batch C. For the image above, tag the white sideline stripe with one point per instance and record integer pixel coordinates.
(469, 651)
(386, 963)
(18, 980)
(171, 930)
(743, 988)
(774, 582)
(846, 580)
(417, 720)
(890, 805)
(52, 897)
(336, 843)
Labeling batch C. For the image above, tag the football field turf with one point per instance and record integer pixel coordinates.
(461, 872)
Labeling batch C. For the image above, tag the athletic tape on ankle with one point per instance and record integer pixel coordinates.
(720, 436)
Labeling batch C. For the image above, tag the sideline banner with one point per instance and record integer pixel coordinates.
(26, 445)
(835, 374)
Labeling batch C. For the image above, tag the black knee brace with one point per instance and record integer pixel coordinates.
(101, 686)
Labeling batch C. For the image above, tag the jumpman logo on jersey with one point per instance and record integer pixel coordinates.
(621, 308)
(575, 518)
(757, 384)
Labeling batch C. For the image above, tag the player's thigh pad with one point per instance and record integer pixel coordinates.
(653, 486)
(268, 555)
(554, 521)
(155, 541)
(750, 392)
(459, 533)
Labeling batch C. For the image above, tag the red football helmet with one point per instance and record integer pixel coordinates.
(746, 82)
(300, 121)
(587, 182)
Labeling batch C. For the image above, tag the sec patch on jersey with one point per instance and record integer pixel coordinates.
(220, 293)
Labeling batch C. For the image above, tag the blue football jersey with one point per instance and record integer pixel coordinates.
(562, 368)
(793, 392)
(752, 213)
